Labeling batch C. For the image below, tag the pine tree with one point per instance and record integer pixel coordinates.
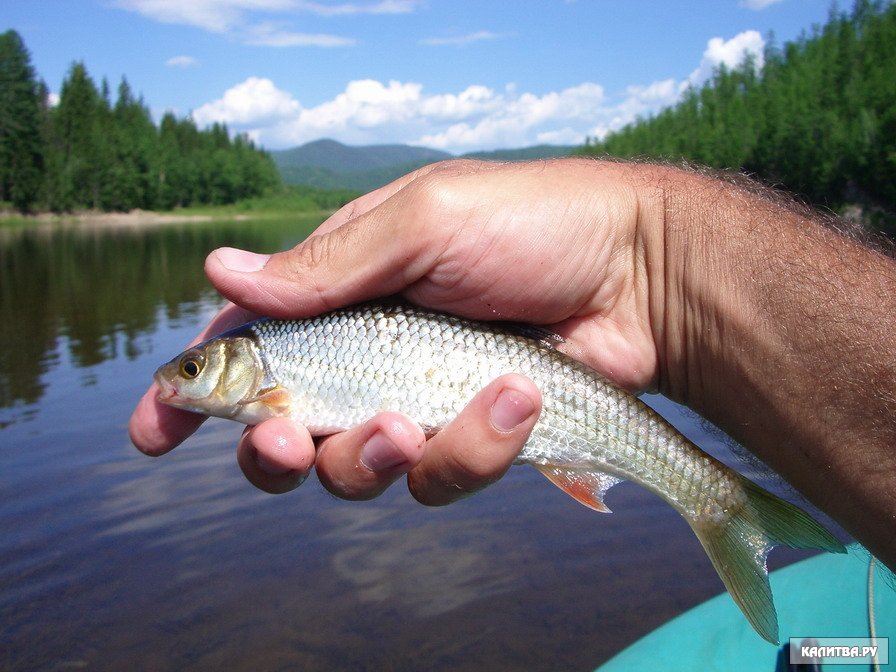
(21, 149)
(77, 129)
(820, 118)
(132, 136)
(88, 153)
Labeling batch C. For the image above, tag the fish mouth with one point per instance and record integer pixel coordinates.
(167, 392)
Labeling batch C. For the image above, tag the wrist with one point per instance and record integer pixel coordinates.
(669, 243)
(778, 330)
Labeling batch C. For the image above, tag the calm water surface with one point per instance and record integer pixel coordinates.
(113, 560)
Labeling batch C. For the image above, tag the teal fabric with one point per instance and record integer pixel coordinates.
(824, 596)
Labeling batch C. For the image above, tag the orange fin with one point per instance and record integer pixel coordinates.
(275, 398)
(586, 487)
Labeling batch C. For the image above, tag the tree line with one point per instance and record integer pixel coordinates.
(819, 117)
(86, 151)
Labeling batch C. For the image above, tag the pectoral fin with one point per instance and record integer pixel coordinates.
(277, 399)
(586, 487)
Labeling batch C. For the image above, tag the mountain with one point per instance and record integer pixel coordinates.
(329, 164)
(525, 154)
(339, 158)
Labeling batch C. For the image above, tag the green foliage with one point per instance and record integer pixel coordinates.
(21, 151)
(820, 118)
(88, 153)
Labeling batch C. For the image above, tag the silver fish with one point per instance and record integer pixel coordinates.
(336, 370)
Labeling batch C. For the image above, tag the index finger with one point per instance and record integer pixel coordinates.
(156, 428)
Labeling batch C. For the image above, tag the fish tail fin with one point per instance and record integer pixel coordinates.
(739, 546)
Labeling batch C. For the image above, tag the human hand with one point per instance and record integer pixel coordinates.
(556, 243)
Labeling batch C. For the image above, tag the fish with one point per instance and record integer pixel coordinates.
(338, 369)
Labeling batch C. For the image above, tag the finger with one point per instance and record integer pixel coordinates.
(478, 446)
(337, 268)
(228, 317)
(363, 461)
(323, 272)
(276, 455)
(155, 428)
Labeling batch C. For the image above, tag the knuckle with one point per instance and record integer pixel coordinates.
(348, 211)
(353, 488)
(314, 253)
(477, 468)
(440, 184)
(431, 492)
(455, 476)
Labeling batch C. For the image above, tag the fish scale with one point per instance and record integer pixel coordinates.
(336, 370)
(329, 357)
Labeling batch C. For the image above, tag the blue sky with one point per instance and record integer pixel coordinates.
(459, 75)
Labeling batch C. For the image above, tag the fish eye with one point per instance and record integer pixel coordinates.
(191, 365)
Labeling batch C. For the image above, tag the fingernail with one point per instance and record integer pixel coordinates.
(511, 409)
(379, 453)
(242, 261)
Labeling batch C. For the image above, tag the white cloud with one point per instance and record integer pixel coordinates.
(460, 40)
(182, 62)
(237, 17)
(758, 4)
(384, 7)
(662, 92)
(562, 136)
(372, 111)
(730, 52)
(517, 120)
(369, 111)
(217, 16)
(275, 35)
(255, 101)
(475, 100)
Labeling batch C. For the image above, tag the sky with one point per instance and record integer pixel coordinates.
(456, 75)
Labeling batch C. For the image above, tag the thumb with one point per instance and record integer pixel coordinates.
(370, 256)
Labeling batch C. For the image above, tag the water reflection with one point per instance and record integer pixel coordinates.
(111, 560)
(396, 566)
(92, 295)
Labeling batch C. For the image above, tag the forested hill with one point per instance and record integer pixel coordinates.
(88, 152)
(819, 118)
(329, 164)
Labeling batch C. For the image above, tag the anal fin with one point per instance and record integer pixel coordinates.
(586, 487)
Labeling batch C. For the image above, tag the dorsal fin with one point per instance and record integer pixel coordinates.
(536, 333)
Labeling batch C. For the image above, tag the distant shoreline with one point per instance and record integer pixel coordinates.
(103, 220)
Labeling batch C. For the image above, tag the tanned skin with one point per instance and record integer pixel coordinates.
(781, 329)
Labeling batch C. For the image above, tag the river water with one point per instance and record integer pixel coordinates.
(113, 560)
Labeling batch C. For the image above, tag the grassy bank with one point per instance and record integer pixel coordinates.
(283, 203)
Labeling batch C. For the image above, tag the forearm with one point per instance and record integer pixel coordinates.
(781, 331)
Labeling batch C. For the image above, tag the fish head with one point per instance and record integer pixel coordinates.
(219, 377)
